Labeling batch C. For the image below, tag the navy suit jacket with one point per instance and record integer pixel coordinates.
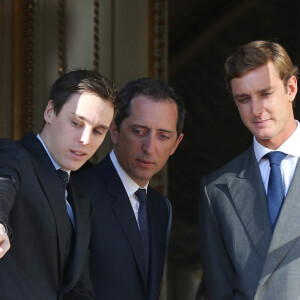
(116, 255)
(32, 204)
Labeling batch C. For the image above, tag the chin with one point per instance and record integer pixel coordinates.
(74, 167)
(264, 136)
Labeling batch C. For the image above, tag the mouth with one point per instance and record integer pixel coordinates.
(261, 122)
(145, 163)
(78, 154)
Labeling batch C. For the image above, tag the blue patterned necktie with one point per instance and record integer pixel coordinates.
(144, 225)
(275, 191)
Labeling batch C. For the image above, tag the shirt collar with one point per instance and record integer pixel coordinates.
(290, 146)
(56, 165)
(130, 186)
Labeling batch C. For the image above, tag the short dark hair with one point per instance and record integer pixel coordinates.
(79, 81)
(256, 54)
(155, 89)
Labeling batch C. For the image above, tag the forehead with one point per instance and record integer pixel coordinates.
(90, 106)
(155, 114)
(82, 101)
(259, 78)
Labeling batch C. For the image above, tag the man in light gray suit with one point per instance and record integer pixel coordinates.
(249, 234)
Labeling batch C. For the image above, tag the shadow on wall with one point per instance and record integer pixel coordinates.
(201, 36)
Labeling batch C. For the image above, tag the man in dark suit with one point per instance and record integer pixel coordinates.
(128, 243)
(250, 208)
(45, 222)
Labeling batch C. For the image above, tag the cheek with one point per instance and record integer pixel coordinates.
(97, 142)
(68, 133)
(164, 155)
(244, 113)
(133, 146)
(241, 109)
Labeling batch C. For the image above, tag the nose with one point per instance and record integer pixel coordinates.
(85, 136)
(257, 107)
(149, 144)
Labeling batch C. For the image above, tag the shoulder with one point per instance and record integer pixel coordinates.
(14, 160)
(12, 151)
(154, 195)
(97, 180)
(90, 173)
(7, 144)
(232, 168)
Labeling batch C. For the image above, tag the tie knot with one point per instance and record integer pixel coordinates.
(142, 196)
(275, 157)
(64, 177)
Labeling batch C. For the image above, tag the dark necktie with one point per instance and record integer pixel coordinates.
(275, 191)
(144, 225)
(64, 177)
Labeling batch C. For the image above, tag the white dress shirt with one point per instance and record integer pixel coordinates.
(130, 186)
(288, 165)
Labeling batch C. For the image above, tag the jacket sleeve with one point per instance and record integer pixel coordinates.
(9, 178)
(7, 199)
(218, 270)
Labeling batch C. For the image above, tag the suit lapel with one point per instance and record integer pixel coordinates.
(82, 231)
(124, 214)
(249, 198)
(158, 229)
(53, 189)
(286, 231)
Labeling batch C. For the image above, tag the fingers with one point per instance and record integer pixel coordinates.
(4, 241)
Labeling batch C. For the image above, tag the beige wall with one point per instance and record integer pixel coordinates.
(123, 34)
(123, 44)
(123, 31)
(123, 48)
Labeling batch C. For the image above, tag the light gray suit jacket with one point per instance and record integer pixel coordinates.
(241, 257)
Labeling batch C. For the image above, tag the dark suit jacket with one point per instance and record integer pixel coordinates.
(241, 257)
(32, 204)
(116, 261)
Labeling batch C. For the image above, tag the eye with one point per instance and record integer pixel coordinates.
(98, 131)
(75, 123)
(164, 137)
(266, 94)
(242, 100)
(137, 131)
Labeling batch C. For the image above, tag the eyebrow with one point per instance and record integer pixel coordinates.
(239, 95)
(160, 129)
(266, 89)
(258, 91)
(89, 122)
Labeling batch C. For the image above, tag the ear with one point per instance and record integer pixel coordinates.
(49, 112)
(292, 88)
(114, 133)
(179, 139)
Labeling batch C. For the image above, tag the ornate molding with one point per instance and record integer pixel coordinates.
(158, 46)
(62, 57)
(17, 70)
(96, 35)
(157, 64)
(2, 69)
(29, 63)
